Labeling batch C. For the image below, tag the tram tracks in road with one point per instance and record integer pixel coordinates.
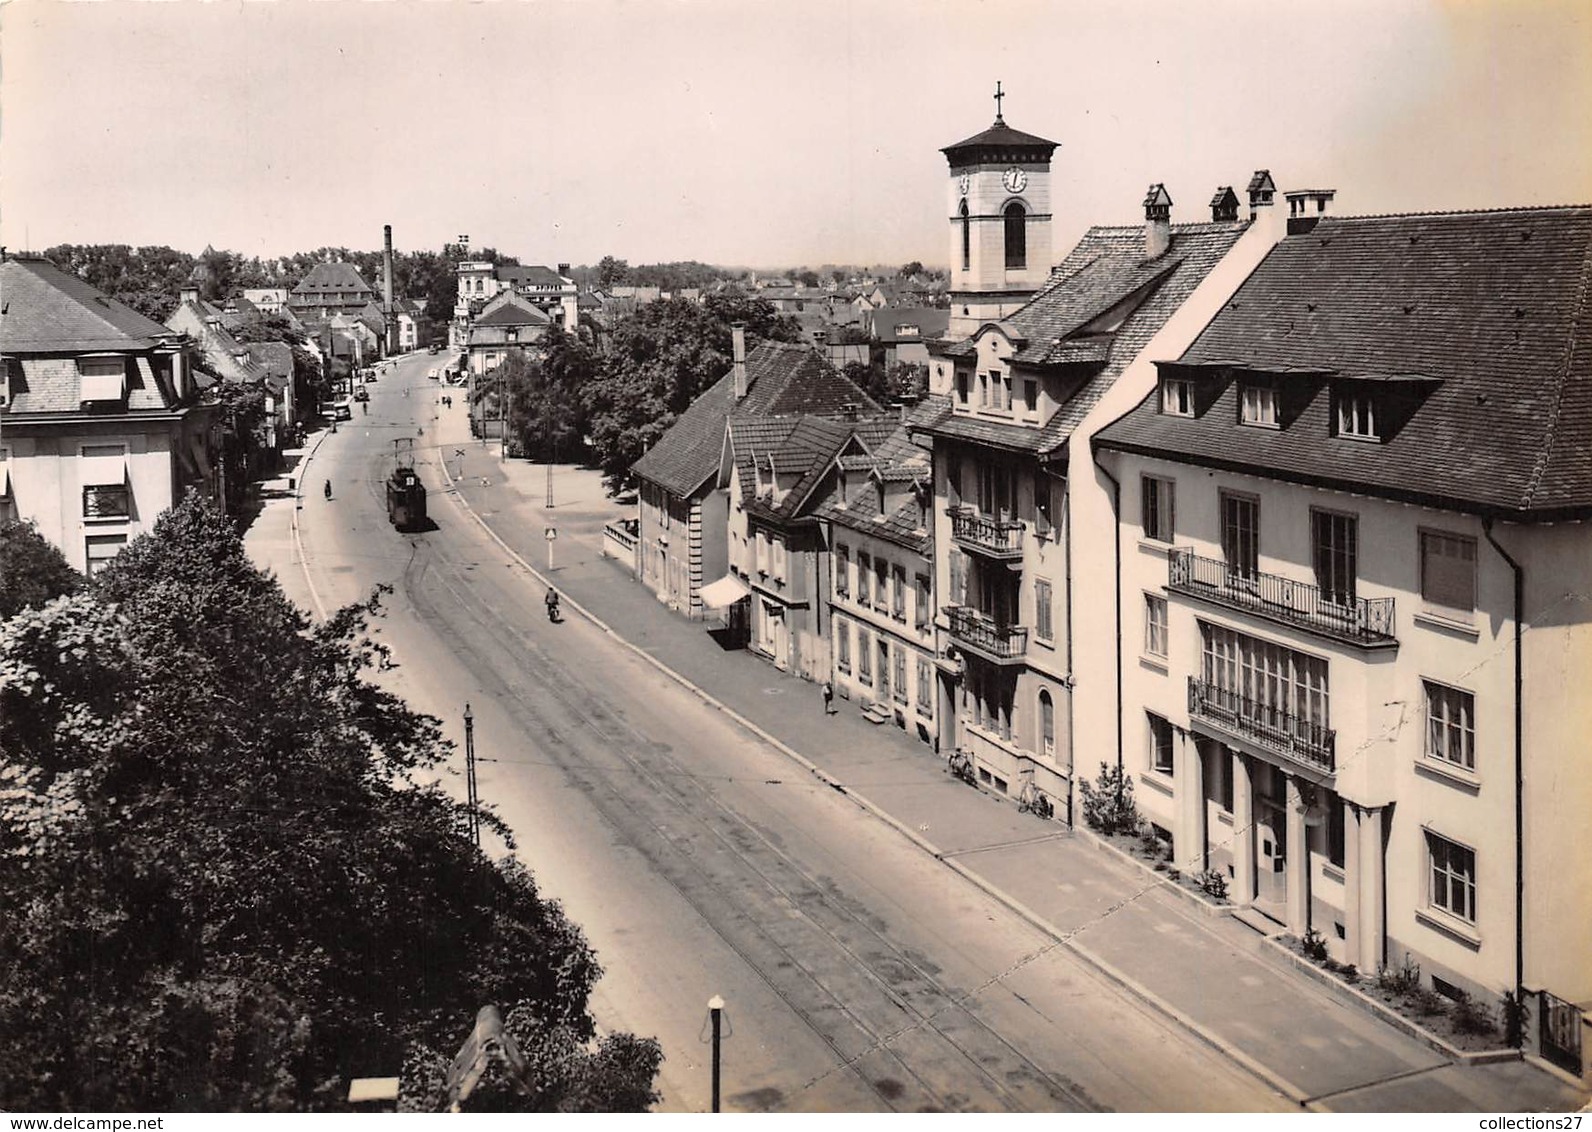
(915, 1041)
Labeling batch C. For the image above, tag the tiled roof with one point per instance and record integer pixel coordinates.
(46, 309)
(225, 355)
(783, 380)
(514, 312)
(274, 357)
(924, 323)
(1106, 270)
(526, 275)
(339, 277)
(892, 458)
(1492, 307)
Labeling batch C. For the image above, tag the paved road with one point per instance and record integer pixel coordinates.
(859, 974)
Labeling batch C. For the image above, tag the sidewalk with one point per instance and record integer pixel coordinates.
(1212, 976)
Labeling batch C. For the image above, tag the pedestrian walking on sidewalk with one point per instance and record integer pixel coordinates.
(829, 698)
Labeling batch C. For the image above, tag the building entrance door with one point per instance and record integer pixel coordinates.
(1271, 857)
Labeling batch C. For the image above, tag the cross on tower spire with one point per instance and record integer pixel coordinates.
(999, 121)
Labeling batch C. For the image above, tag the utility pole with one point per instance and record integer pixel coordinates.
(716, 1014)
(552, 453)
(469, 772)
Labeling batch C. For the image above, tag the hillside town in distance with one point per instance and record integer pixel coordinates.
(1141, 675)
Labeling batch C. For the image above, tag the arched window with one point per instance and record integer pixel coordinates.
(967, 239)
(1016, 237)
(1047, 723)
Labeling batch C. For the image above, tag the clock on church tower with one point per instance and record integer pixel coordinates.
(999, 221)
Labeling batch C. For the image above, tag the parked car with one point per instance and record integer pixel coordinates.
(431, 349)
(434, 374)
(362, 395)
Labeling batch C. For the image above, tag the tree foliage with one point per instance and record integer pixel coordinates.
(657, 361)
(32, 570)
(227, 880)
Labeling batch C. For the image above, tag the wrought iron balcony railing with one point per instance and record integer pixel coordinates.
(1282, 731)
(1359, 620)
(984, 533)
(984, 635)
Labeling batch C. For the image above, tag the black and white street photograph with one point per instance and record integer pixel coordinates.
(745, 557)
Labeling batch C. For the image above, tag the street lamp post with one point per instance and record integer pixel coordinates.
(469, 775)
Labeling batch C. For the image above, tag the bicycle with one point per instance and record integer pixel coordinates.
(960, 764)
(1034, 801)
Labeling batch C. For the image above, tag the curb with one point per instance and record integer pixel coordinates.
(298, 502)
(1350, 996)
(1207, 908)
(1143, 994)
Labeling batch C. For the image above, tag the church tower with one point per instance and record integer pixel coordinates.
(999, 197)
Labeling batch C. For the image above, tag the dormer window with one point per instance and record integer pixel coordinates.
(1258, 406)
(102, 379)
(1177, 397)
(1357, 416)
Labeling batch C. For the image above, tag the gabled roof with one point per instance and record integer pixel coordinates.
(783, 380)
(1105, 272)
(509, 309)
(230, 359)
(339, 276)
(45, 309)
(276, 358)
(1491, 309)
(893, 459)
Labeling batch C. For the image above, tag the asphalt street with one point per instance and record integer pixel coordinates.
(859, 974)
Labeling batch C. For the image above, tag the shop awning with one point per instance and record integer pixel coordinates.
(725, 592)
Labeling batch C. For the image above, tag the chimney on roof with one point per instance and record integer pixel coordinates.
(1224, 206)
(563, 270)
(1306, 207)
(1261, 189)
(188, 293)
(738, 347)
(1157, 221)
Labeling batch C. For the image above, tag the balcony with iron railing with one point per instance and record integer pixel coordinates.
(982, 634)
(985, 534)
(1277, 729)
(1367, 622)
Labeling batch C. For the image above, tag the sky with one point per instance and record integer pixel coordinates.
(757, 133)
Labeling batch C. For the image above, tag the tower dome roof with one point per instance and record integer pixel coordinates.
(999, 143)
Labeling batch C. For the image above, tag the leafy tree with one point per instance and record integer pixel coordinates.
(32, 570)
(310, 385)
(807, 278)
(226, 879)
(660, 359)
(910, 269)
(905, 382)
(148, 279)
(611, 271)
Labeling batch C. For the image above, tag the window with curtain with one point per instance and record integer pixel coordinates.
(1047, 723)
